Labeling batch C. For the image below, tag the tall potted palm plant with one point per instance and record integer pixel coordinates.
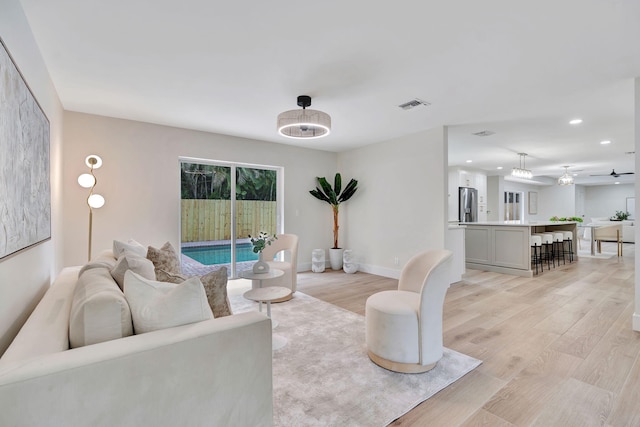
(334, 196)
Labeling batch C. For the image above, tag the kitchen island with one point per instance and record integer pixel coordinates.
(503, 246)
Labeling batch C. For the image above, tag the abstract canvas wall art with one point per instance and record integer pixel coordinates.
(25, 192)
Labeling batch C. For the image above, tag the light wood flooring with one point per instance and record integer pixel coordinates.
(557, 349)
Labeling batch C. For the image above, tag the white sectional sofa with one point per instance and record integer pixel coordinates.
(216, 372)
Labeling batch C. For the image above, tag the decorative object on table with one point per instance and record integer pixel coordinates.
(620, 216)
(94, 200)
(349, 264)
(317, 260)
(305, 123)
(334, 196)
(24, 161)
(281, 256)
(259, 243)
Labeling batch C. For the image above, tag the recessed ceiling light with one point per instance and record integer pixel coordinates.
(469, 161)
(605, 142)
(499, 167)
(575, 122)
(575, 174)
(617, 182)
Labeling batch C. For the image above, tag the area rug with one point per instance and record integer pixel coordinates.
(323, 376)
(603, 255)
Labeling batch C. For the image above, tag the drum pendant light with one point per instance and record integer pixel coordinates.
(305, 123)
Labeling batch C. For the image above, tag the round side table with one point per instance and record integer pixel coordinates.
(271, 274)
(267, 295)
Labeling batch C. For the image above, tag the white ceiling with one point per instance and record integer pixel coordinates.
(520, 69)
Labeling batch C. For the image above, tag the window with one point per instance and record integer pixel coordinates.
(513, 206)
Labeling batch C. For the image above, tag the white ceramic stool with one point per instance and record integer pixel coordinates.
(558, 248)
(349, 264)
(568, 240)
(547, 244)
(536, 251)
(317, 260)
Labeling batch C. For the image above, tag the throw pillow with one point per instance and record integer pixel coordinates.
(134, 262)
(99, 310)
(158, 305)
(215, 286)
(130, 246)
(166, 258)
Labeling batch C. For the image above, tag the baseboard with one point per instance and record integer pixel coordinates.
(636, 322)
(380, 271)
(496, 269)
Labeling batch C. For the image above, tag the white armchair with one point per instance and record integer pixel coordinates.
(287, 243)
(404, 327)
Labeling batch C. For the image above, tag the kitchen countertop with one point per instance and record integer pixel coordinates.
(519, 223)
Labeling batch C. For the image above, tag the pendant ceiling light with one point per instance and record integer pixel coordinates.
(305, 123)
(522, 171)
(565, 179)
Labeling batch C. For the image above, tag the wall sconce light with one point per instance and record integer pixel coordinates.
(94, 201)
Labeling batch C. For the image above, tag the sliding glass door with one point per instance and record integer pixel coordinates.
(221, 205)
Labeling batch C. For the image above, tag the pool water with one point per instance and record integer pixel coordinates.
(220, 254)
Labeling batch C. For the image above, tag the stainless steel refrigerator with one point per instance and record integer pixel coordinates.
(467, 204)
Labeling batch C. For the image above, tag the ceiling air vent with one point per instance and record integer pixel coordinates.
(413, 104)
(484, 133)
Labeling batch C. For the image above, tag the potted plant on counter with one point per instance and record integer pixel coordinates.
(334, 196)
(620, 216)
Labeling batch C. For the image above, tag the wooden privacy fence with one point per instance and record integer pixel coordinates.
(206, 220)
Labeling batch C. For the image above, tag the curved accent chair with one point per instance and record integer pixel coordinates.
(287, 243)
(404, 327)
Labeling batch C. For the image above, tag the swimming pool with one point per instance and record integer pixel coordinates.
(220, 254)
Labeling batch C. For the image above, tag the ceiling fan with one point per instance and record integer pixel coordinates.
(616, 174)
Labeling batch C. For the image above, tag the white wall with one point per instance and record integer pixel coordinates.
(25, 276)
(605, 200)
(636, 314)
(140, 180)
(495, 188)
(400, 207)
(524, 189)
(581, 195)
(553, 200)
(556, 200)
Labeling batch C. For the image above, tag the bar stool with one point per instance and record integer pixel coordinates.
(558, 246)
(547, 245)
(536, 252)
(568, 240)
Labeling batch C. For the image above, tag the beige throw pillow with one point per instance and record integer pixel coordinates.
(134, 262)
(99, 310)
(130, 246)
(166, 258)
(160, 305)
(215, 286)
